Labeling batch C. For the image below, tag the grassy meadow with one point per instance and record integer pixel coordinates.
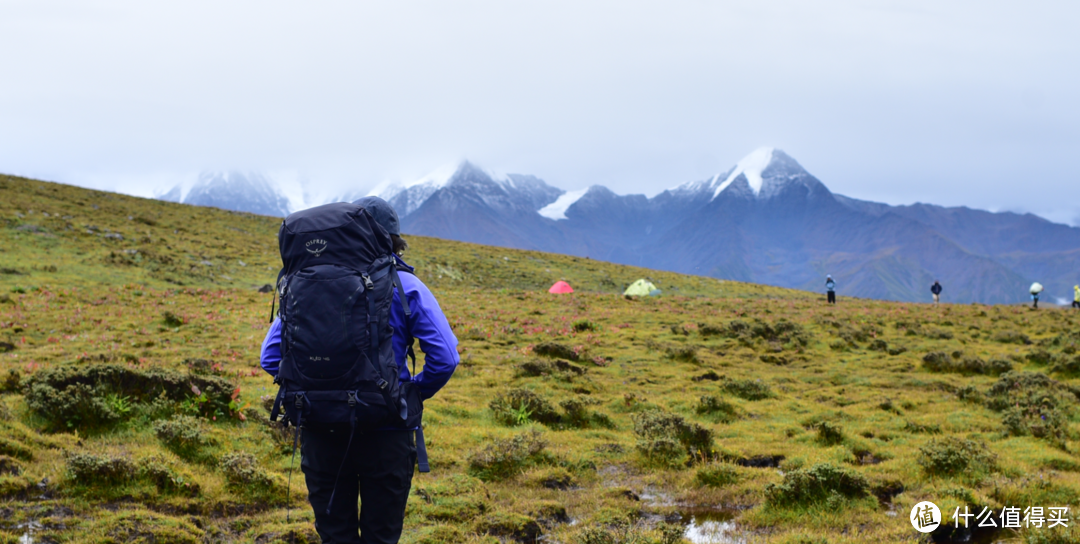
(133, 408)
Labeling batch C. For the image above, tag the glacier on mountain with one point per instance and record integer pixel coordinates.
(557, 210)
(751, 166)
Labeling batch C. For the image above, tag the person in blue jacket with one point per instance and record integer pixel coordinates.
(380, 468)
(830, 289)
(936, 291)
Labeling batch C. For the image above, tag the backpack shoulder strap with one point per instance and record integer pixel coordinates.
(408, 313)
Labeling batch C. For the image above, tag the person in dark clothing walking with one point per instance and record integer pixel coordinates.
(379, 469)
(936, 290)
(830, 287)
(1076, 296)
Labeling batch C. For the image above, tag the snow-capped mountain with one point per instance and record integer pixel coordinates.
(763, 174)
(239, 191)
(499, 191)
(766, 220)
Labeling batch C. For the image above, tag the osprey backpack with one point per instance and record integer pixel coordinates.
(337, 361)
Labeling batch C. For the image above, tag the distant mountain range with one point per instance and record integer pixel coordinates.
(766, 220)
(240, 191)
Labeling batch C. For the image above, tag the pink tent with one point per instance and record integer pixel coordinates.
(561, 287)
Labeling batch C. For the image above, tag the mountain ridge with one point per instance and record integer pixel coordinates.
(765, 219)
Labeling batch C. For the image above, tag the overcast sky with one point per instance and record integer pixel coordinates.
(955, 103)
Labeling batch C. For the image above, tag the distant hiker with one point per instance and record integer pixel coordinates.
(1036, 288)
(830, 287)
(936, 290)
(1076, 296)
(342, 364)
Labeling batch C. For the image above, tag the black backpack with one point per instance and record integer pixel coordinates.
(337, 361)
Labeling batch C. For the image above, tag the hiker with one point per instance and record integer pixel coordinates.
(343, 462)
(1036, 288)
(936, 290)
(830, 286)
(1076, 296)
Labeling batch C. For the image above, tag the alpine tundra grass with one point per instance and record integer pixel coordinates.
(132, 406)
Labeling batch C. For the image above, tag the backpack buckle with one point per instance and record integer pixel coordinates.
(299, 401)
(352, 399)
(367, 281)
(382, 383)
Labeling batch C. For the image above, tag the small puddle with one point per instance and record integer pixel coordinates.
(30, 527)
(713, 527)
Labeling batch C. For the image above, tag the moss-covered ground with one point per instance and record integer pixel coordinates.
(132, 407)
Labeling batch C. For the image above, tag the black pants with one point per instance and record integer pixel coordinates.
(378, 472)
(1076, 304)
(832, 297)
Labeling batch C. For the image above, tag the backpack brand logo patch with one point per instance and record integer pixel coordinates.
(316, 246)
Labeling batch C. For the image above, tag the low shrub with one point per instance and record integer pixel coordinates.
(243, 473)
(711, 376)
(778, 360)
(520, 406)
(718, 475)
(670, 440)
(718, 409)
(541, 367)
(747, 389)
(818, 484)
(12, 382)
(1066, 365)
(829, 434)
(1011, 337)
(502, 459)
(935, 333)
(705, 329)
(1039, 356)
(107, 470)
(682, 353)
(585, 325)
(556, 350)
(95, 396)
(939, 362)
(577, 414)
(780, 333)
(1031, 403)
(184, 435)
(949, 456)
(167, 478)
(913, 427)
(171, 320)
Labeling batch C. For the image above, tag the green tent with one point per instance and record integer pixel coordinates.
(640, 288)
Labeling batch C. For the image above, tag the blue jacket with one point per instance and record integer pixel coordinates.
(427, 323)
(830, 285)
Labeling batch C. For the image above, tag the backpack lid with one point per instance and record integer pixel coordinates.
(340, 233)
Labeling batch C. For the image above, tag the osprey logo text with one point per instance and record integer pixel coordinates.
(316, 246)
